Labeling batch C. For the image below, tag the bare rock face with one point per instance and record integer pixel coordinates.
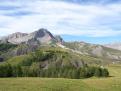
(15, 38)
(37, 37)
(17, 35)
(98, 51)
(59, 39)
(42, 36)
(1, 59)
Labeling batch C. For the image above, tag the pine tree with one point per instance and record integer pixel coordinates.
(82, 73)
(17, 71)
(34, 70)
(98, 72)
(105, 73)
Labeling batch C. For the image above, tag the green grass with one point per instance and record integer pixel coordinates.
(18, 59)
(53, 84)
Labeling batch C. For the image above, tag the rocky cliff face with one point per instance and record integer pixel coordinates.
(59, 39)
(12, 38)
(38, 37)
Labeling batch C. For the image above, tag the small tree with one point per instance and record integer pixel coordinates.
(77, 74)
(5, 70)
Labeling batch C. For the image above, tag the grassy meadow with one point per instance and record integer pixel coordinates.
(112, 83)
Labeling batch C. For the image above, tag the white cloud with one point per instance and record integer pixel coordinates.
(62, 18)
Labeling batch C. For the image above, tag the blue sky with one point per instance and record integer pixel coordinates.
(94, 21)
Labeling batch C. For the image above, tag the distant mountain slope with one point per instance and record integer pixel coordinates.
(94, 50)
(114, 46)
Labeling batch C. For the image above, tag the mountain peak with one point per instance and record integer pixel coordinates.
(41, 36)
(42, 32)
(59, 39)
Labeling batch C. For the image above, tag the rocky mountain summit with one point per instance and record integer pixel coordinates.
(42, 36)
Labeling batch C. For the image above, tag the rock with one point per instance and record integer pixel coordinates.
(1, 59)
(59, 39)
(37, 37)
(98, 51)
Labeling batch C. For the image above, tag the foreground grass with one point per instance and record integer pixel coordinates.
(51, 84)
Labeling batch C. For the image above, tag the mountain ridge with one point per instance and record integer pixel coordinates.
(40, 36)
(95, 50)
(114, 45)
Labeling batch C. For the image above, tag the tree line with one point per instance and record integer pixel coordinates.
(7, 70)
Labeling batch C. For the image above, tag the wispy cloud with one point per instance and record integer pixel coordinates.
(60, 17)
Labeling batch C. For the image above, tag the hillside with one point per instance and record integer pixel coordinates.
(41, 54)
(48, 56)
(95, 50)
(54, 62)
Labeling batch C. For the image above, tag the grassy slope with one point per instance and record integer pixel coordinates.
(69, 57)
(52, 84)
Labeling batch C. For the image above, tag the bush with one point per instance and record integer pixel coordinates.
(105, 73)
(17, 71)
(98, 72)
(34, 70)
(101, 72)
(5, 70)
